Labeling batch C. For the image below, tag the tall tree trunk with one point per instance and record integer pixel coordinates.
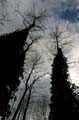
(27, 104)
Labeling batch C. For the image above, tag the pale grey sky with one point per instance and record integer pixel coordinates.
(59, 11)
(63, 12)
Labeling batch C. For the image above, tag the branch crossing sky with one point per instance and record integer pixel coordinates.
(59, 11)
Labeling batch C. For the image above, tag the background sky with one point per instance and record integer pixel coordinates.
(62, 12)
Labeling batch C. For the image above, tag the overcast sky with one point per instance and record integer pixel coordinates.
(63, 12)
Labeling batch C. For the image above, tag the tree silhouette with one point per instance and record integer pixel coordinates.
(12, 58)
(63, 105)
(35, 61)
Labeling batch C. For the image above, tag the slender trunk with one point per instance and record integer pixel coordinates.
(15, 114)
(25, 33)
(28, 100)
(19, 113)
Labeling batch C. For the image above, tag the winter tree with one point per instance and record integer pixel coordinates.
(12, 64)
(63, 103)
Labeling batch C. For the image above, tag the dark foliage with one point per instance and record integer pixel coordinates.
(63, 104)
(11, 64)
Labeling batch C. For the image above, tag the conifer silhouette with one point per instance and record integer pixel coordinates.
(13, 55)
(62, 106)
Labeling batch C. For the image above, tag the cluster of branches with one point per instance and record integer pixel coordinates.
(32, 78)
(14, 45)
(64, 104)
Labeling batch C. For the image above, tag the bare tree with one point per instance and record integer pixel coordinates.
(59, 39)
(33, 76)
(13, 45)
(57, 75)
(30, 94)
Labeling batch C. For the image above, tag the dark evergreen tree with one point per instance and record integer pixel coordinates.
(12, 57)
(63, 105)
(11, 65)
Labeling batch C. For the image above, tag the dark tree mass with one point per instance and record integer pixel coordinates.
(16, 65)
(11, 63)
(63, 103)
(12, 59)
